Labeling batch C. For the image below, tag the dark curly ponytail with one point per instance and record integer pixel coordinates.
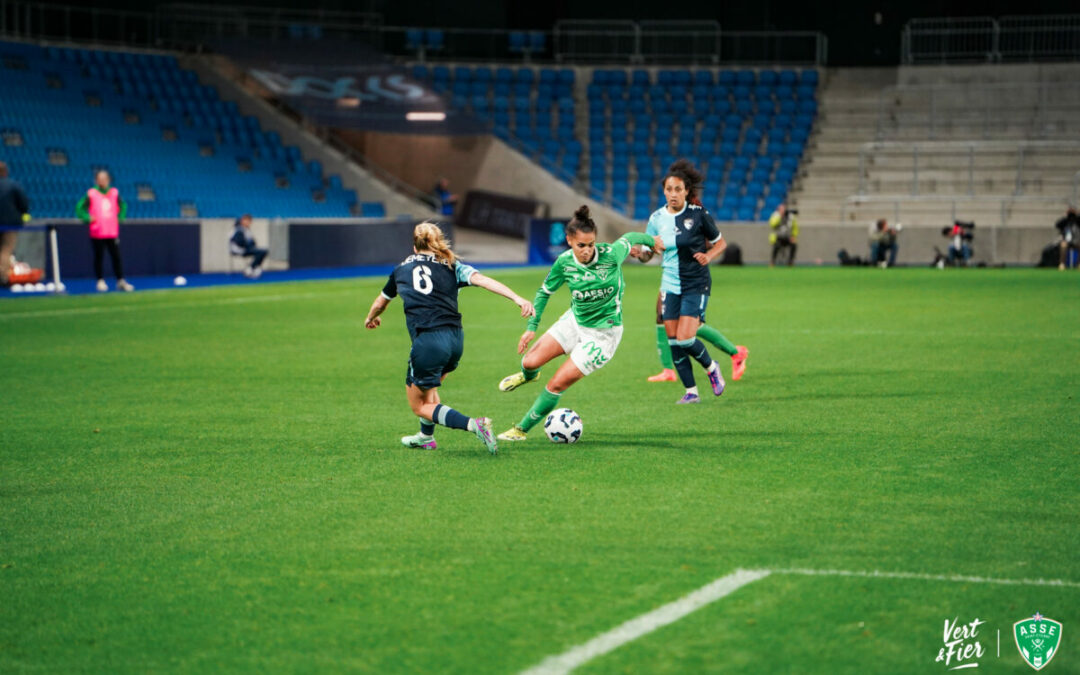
(691, 178)
(581, 222)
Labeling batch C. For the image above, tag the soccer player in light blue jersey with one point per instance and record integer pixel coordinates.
(691, 241)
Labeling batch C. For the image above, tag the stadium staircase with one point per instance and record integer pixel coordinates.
(961, 146)
(847, 119)
(173, 147)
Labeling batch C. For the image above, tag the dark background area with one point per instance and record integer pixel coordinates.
(855, 37)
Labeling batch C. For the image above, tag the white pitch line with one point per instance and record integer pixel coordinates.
(139, 307)
(566, 662)
(646, 623)
(956, 578)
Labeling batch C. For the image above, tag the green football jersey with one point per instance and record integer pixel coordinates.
(596, 288)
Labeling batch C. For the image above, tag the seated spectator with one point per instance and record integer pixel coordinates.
(1069, 229)
(242, 243)
(883, 246)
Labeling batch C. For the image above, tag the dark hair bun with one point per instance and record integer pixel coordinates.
(582, 214)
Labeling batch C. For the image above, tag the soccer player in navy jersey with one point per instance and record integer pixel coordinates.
(691, 241)
(738, 353)
(428, 283)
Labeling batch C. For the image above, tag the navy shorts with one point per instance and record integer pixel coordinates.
(433, 355)
(686, 304)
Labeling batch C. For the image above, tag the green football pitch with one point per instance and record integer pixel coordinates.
(211, 480)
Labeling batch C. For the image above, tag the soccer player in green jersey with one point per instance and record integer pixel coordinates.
(590, 331)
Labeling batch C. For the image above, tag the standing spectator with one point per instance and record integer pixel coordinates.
(242, 244)
(883, 246)
(1069, 228)
(784, 234)
(103, 209)
(14, 211)
(444, 200)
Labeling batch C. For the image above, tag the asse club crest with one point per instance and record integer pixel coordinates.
(1037, 639)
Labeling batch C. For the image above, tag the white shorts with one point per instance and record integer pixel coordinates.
(589, 348)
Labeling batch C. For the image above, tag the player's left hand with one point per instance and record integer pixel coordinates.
(372, 324)
(701, 258)
(526, 338)
(527, 308)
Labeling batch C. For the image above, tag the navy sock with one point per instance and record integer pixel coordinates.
(426, 428)
(697, 350)
(448, 417)
(683, 367)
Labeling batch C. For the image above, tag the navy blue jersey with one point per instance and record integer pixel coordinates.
(685, 233)
(429, 291)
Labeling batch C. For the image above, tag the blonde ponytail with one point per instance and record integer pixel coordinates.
(428, 237)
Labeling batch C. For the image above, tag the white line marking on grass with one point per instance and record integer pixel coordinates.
(139, 306)
(928, 577)
(646, 623)
(670, 613)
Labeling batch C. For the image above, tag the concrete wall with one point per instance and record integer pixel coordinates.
(482, 163)
(1009, 245)
(1028, 73)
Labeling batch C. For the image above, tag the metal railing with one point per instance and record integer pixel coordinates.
(1031, 109)
(191, 27)
(967, 152)
(988, 40)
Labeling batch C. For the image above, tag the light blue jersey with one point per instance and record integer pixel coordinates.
(662, 224)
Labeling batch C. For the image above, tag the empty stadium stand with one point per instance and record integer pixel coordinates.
(747, 128)
(173, 147)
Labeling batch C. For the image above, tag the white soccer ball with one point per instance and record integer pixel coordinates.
(179, 281)
(50, 287)
(39, 287)
(60, 287)
(16, 288)
(563, 426)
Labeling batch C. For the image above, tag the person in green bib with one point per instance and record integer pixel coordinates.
(590, 331)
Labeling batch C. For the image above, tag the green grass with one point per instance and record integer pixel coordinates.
(211, 480)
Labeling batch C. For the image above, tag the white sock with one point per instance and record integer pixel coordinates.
(692, 390)
(472, 424)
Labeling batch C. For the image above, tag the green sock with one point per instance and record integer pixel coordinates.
(529, 374)
(544, 404)
(710, 334)
(663, 348)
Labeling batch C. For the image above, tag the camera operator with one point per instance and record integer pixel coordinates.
(960, 236)
(883, 246)
(784, 234)
(1069, 228)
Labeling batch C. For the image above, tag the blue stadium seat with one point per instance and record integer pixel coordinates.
(420, 72)
(805, 91)
(768, 77)
(745, 213)
(809, 77)
(725, 213)
(746, 77)
(703, 77)
(434, 38)
(788, 77)
(504, 74)
(372, 210)
(517, 41)
(566, 76)
(726, 78)
(640, 77)
(525, 76)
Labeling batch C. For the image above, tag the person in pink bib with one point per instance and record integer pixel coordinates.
(104, 210)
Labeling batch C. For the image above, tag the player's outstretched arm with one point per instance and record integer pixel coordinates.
(502, 289)
(378, 307)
